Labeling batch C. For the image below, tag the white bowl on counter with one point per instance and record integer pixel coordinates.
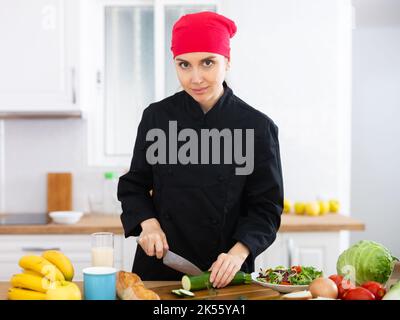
(66, 217)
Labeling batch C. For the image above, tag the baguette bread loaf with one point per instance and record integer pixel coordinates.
(131, 287)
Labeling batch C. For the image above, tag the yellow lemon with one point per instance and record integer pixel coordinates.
(287, 206)
(324, 207)
(312, 208)
(299, 208)
(334, 206)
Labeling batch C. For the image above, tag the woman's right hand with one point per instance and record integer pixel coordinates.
(152, 239)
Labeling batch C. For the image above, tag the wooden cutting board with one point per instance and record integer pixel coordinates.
(239, 292)
(59, 191)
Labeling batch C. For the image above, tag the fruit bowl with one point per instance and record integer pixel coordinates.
(65, 217)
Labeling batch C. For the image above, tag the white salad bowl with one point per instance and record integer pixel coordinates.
(278, 287)
(66, 217)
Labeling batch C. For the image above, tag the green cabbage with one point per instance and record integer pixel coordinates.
(366, 261)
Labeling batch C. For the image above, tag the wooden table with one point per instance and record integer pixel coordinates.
(4, 285)
(163, 288)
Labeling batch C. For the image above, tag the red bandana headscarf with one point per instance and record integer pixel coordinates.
(202, 32)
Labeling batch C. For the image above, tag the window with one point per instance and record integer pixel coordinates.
(129, 73)
(133, 67)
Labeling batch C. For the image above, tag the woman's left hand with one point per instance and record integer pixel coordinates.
(224, 269)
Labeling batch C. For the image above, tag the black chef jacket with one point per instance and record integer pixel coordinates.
(204, 209)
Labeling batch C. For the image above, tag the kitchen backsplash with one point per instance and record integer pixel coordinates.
(35, 147)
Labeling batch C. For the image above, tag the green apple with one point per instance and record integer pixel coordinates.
(64, 290)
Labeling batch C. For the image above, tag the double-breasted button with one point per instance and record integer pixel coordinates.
(167, 215)
(215, 222)
(169, 171)
(225, 209)
(221, 178)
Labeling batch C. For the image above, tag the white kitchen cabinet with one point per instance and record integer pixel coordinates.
(275, 255)
(318, 249)
(76, 247)
(39, 42)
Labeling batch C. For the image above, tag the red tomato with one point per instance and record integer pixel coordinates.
(336, 278)
(375, 288)
(358, 293)
(344, 286)
(296, 268)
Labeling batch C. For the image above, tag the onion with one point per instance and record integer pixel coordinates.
(323, 287)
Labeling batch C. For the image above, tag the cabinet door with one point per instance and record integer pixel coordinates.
(318, 249)
(38, 60)
(129, 246)
(274, 256)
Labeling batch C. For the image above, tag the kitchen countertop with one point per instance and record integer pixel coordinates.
(328, 222)
(88, 224)
(102, 223)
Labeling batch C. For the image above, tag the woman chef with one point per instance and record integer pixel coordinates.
(206, 212)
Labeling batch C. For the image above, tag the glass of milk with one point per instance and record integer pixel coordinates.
(102, 249)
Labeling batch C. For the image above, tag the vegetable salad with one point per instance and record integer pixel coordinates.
(296, 275)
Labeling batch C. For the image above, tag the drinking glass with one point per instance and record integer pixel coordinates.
(102, 249)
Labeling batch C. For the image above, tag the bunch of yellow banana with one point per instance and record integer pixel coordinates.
(42, 274)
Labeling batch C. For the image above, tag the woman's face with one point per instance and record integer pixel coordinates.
(202, 70)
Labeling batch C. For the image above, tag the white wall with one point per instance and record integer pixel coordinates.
(375, 125)
(291, 59)
(33, 148)
(2, 167)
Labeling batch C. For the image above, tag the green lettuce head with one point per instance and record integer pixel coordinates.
(366, 261)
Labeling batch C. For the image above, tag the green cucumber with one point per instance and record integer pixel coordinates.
(202, 281)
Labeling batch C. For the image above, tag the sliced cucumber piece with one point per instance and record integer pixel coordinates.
(187, 292)
(182, 293)
(177, 292)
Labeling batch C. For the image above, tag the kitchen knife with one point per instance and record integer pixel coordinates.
(176, 262)
(394, 277)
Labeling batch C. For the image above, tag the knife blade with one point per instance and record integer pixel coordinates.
(394, 276)
(181, 264)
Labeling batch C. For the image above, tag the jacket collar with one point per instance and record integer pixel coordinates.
(195, 112)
